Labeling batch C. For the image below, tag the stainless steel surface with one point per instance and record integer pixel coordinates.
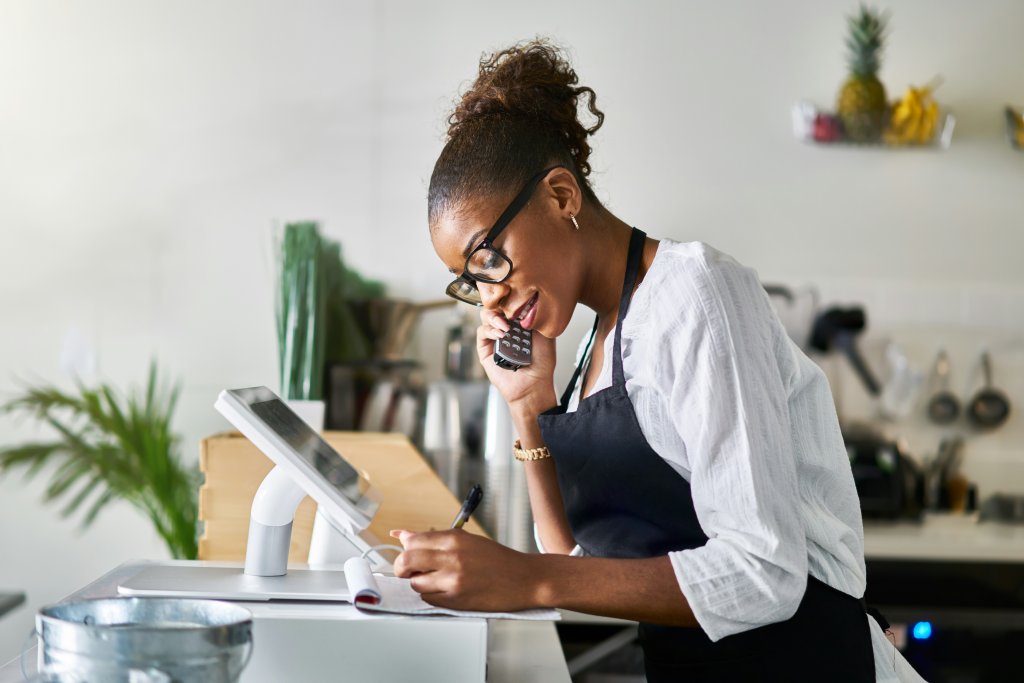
(462, 362)
(442, 431)
(506, 506)
(123, 639)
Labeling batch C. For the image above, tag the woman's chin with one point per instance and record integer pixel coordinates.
(552, 329)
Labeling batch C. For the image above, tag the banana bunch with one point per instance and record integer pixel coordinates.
(1015, 126)
(913, 118)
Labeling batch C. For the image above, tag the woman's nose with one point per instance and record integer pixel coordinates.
(492, 294)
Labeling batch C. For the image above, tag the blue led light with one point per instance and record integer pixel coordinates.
(922, 630)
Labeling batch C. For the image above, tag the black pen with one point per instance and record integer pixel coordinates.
(473, 499)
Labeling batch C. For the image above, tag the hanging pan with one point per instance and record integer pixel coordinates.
(943, 406)
(990, 407)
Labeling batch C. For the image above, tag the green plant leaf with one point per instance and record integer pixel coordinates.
(72, 506)
(111, 447)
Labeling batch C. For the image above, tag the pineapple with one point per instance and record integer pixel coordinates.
(862, 103)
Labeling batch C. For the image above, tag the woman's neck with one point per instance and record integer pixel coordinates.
(605, 249)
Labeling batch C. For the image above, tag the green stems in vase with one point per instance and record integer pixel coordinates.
(301, 305)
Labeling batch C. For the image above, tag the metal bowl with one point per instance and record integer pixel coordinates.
(118, 639)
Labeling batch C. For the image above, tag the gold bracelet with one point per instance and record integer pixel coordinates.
(523, 454)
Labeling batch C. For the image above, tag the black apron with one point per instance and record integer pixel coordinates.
(624, 501)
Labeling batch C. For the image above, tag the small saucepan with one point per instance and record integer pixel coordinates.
(943, 406)
(990, 407)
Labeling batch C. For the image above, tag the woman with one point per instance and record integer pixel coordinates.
(700, 486)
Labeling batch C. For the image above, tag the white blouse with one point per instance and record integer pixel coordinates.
(740, 412)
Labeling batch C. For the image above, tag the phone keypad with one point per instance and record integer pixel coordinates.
(514, 349)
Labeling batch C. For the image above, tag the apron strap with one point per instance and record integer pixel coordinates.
(636, 252)
(567, 394)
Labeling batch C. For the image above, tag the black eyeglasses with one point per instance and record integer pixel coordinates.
(485, 263)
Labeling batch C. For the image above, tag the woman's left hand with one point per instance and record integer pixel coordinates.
(459, 570)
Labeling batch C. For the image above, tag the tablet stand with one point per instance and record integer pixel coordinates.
(270, 530)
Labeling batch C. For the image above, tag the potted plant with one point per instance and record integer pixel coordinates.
(316, 323)
(105, 447)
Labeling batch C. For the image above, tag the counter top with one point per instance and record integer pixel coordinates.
(944, 537)
(517, 650)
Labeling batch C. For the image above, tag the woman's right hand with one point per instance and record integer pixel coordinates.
(530, 389)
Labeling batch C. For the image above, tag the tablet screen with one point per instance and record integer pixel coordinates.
(307, 447)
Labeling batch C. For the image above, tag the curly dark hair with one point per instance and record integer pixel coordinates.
(519, 116)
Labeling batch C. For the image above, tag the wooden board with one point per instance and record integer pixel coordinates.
(413, 495)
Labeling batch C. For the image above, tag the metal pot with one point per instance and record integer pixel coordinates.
(122, 640)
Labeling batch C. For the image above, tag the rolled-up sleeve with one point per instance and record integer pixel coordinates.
(728, 401)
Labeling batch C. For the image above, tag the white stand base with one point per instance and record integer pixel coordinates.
(270, 531)
(328, 546)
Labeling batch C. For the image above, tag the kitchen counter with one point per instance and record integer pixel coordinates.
(948, 567)
(938, 538)
(945, 537)
(516, 650)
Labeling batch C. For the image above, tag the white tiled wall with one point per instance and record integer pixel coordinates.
(921, 320)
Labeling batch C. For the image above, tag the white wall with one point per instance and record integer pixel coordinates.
(146, 150)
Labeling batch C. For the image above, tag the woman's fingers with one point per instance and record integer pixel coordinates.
(426, 584)
(412, 563)
(426, 552)
(486, 336)
(453, 568)
(446, 539)
(494, 319)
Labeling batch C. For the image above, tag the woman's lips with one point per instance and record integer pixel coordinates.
(528, 315)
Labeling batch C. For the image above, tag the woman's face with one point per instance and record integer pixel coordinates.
(539, 241)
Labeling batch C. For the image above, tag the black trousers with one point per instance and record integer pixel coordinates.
(828, 638)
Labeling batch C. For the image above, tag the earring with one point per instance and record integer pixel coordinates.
(572, 217)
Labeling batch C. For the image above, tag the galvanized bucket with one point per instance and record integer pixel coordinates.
(157, 640)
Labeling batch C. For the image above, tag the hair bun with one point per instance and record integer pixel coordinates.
(532, 80)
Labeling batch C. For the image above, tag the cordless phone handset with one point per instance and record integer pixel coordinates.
(515, 349)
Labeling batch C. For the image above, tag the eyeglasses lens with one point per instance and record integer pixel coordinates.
(463, 291)
(488, 265)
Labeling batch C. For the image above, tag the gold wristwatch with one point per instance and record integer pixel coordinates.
(524, 454)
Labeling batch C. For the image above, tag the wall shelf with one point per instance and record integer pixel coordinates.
(818, 127)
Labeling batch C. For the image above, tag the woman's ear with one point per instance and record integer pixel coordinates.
(564, 189)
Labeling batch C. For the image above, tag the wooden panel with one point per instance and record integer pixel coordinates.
(413, 496)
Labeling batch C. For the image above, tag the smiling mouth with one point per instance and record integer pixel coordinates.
(523, 314)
